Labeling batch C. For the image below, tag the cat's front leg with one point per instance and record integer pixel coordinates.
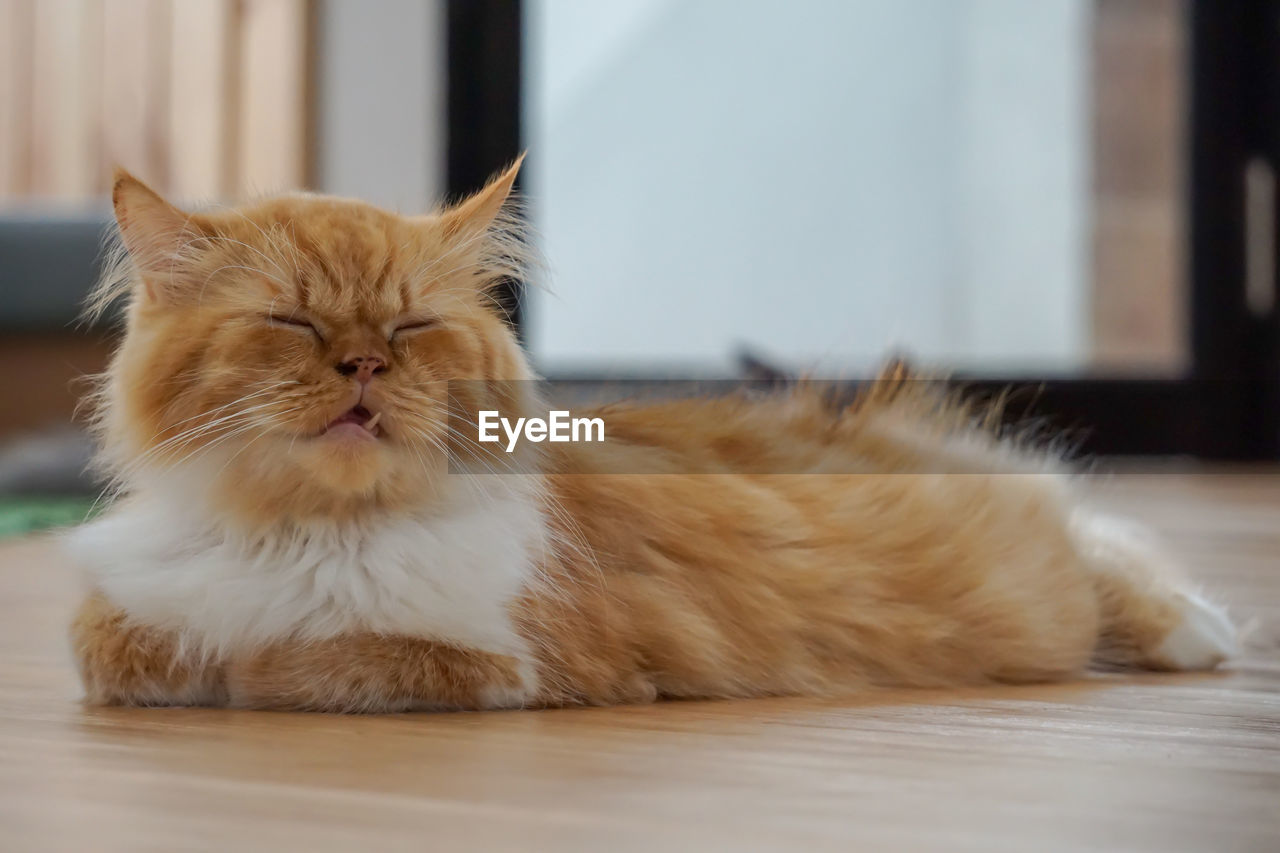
(122, 662)
(374, 673)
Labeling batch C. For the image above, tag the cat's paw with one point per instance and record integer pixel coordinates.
(1202, 639)
(124, 663)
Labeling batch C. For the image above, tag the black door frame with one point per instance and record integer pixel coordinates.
(484, 40)
(1234, 119)
(1226, 406)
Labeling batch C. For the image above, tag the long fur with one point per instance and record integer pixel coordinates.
(737, 546)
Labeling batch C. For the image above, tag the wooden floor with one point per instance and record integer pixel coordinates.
(1149, 762)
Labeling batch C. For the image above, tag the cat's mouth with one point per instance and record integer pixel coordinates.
(356, 422)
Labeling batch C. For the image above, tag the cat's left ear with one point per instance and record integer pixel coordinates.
(475, 214)
(155, 233)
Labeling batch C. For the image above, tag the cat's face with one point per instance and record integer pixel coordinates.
(295, 355)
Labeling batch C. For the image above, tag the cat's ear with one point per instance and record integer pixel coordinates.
(475, 214)
(155, 233)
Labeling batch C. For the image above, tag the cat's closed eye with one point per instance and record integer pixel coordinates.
(294, 322)
(418, 324)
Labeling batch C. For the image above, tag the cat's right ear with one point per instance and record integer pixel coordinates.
(155, 233)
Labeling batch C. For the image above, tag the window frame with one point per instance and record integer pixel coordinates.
(1225, 406)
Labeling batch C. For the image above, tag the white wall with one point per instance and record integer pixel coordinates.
(821, 179)
(381, 101)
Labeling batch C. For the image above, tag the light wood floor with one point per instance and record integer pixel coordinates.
(1147, 762)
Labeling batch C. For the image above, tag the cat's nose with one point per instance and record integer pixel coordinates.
(362, 367)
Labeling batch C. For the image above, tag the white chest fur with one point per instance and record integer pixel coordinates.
(450, 576)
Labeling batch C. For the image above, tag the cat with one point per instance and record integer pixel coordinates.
(288, 532)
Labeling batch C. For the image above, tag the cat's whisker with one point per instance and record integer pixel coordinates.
(155, 454)
(264, 426)
(504, 310)
(278, 244)
(185, 438)
(246, 268)
(200, 429)
(267, 390)
(240, 430)
(422, 271)
(224, 240)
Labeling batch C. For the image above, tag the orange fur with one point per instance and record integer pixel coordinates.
(128, 664)
(911, 546)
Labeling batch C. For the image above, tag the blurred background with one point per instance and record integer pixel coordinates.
(1072, 196)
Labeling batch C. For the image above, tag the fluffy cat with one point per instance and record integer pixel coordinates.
(288, 533)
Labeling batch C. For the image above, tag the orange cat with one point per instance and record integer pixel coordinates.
(289, 531)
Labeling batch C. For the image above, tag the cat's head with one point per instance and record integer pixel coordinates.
(293, 356)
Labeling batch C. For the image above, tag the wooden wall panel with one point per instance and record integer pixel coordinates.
(204, 99)
(203, 88)
(135, 88)
(16, 25)
(1139, 302)
(65, 93)
(273, 95)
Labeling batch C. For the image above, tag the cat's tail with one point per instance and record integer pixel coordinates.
(1151, 616)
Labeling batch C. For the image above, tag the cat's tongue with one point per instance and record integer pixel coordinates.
(358, 422)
